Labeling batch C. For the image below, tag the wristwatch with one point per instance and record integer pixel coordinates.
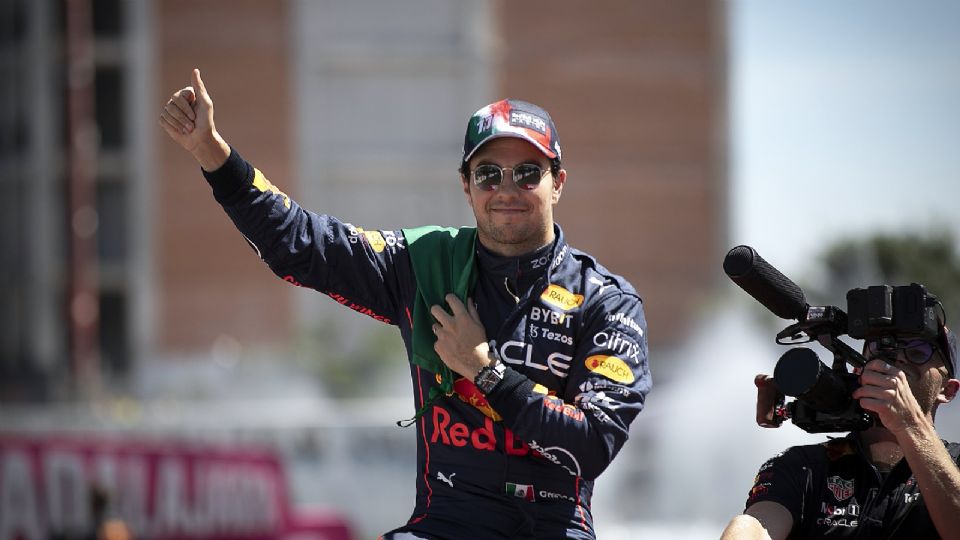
(490, 374)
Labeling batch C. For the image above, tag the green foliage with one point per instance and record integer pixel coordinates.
(893, 259)
(351, 362)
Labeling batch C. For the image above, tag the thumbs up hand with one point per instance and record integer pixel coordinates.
(187, 117)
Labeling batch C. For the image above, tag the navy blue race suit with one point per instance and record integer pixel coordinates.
(833, 491)
(520, 461)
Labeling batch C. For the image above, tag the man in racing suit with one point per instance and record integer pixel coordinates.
(896, 480)
(528, 358)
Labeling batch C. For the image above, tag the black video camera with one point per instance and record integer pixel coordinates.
(823, 395)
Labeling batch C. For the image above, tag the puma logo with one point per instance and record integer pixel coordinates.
(599, 283)
(446, 479)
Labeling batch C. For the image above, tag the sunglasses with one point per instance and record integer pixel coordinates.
(917, 351)
(527, 176)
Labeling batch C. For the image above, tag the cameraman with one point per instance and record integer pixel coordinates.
(897, 479)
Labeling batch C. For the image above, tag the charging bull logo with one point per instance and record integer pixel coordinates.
(841, 489)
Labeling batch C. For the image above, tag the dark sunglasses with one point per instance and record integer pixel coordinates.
(917, 351)
(488, 176)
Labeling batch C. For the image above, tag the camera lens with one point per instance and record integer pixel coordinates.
(801, 374)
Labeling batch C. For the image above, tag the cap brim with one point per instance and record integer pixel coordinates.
(544, 150)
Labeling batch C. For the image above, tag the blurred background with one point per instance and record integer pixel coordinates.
(136, 323)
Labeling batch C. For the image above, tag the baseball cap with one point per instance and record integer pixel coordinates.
(512, 118)
(947, 343)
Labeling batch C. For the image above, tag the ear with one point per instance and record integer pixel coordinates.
(558, 182)
(949, 391)
(466, 190)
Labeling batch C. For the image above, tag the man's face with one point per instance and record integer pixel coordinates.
(512, 220)
(927, 381)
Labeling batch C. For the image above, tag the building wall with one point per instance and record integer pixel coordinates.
(355, 108)
(209, 283)
(638, 92)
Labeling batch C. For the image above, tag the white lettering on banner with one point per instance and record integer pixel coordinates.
(618, 343)
(19, 517)
(173, 513)
(548, 315)
(67, 492)
(556, 363)
(46, 490)
(248, 509)
(132, 489)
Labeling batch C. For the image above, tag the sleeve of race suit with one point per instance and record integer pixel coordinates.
(782, 479)
(584, 428)
(357, 268)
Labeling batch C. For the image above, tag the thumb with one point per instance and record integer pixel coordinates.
(201, 90)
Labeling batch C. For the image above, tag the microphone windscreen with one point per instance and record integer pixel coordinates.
(765, 283)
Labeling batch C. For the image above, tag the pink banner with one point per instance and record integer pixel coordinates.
(159, 490)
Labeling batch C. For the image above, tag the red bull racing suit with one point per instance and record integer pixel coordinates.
(520, 461)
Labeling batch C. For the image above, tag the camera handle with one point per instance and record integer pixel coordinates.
(842, 353)
(826, 335)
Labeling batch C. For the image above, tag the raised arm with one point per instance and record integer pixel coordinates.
(187, 117)
(364, 270)
(886, 391)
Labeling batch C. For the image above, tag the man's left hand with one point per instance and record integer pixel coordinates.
(885, 391)
(461, 339)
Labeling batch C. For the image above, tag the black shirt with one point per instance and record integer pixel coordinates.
(833, 491)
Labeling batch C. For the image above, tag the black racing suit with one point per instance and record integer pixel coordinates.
(833, 491)
(520, 461)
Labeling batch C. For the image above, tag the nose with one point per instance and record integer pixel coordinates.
(508, 185)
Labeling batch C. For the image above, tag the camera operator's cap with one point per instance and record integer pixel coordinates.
(947, 343)
(512, 118)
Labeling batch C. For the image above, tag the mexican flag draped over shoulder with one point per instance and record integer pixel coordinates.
(444, 262)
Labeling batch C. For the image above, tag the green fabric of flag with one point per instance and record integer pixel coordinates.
(443, 261)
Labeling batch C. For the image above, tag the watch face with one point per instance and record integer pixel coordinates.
(489, 376)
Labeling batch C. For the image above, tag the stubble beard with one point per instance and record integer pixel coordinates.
(516, 238)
